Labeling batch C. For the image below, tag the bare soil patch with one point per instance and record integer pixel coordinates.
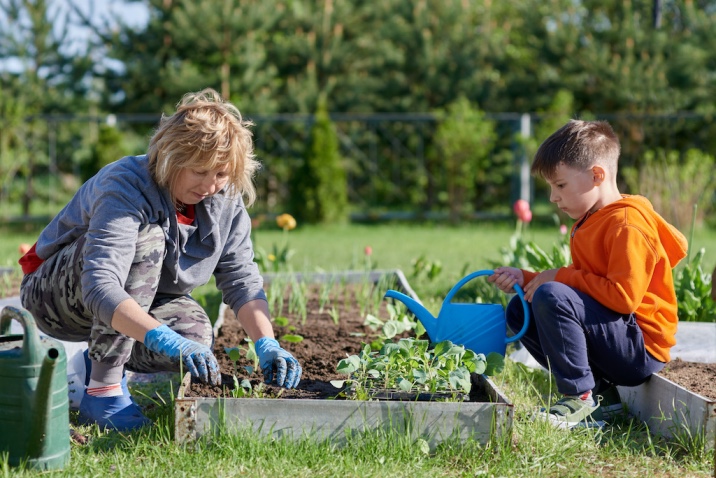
(694, 376)
(325, 342)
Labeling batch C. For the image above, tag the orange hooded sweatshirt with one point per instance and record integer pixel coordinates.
(623, 256)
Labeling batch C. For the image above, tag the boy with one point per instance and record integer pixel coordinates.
(610, 317)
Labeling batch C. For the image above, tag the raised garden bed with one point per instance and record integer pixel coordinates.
(679, 401)
(331, 330)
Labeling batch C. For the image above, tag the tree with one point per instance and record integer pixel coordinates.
(464, 139)
(320, 188)
(41, 78)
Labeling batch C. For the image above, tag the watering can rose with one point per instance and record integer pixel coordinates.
(286, 222)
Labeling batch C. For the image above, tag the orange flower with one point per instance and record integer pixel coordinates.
(286, 222)
(368, 250)
(24, 248)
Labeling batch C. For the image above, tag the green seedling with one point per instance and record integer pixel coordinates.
(412, 365)
(281, 321)
(292, 338)
(324, 294)
(335, 315)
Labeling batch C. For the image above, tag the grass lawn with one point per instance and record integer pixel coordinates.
(624, 449)
(464, 248)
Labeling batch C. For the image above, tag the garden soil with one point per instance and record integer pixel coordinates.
(326, 342)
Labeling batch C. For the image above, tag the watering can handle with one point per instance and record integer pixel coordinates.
(518, 290)
(31, 346)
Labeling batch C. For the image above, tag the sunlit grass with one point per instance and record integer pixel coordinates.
(627, 448)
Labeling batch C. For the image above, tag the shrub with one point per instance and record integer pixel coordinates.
(320, 187)
(693, 291)
(110, 147)
(674, 182)
(464, 138)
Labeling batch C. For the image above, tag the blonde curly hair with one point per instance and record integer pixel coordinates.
(206, 132)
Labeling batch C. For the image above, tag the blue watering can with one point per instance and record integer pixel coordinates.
(481, 328)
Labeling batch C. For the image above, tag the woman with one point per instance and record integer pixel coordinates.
(117, 265)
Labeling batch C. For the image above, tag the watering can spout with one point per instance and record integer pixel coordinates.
(416, 308)
(42, 405)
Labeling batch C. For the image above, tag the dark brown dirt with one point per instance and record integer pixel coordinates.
(697, 377)
(324, 344)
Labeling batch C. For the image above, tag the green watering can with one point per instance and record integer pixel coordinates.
(481, 328)
(34, 402)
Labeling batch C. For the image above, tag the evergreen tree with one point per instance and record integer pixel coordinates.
(320, 188)
(40, 78)
(464, 138)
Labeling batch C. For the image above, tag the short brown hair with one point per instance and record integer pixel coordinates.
(579, 145)
(206, 132)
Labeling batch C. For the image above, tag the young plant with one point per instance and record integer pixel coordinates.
(243, 388)
(398, 322)
(693, 291)
(335, 315)
(385, 283)
(275, 296)
(283, 322)
(413, 366)
(324, 294)
(363, 296)
(297, 301)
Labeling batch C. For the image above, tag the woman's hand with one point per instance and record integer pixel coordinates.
(196, 357)
(277, 365)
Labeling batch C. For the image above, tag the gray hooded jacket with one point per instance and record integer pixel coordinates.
(122, 197)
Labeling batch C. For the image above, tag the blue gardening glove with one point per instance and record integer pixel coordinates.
(197, 358)
(277, 364)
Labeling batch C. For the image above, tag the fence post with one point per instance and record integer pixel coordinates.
(525, 178)
(521, 179)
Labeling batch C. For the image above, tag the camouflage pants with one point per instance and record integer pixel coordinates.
(53, 295)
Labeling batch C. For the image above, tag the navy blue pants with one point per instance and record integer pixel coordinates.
(580, 341)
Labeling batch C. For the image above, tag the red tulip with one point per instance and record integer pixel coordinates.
(24, 248)
(520, 206)
(525, 216)
(368, 250)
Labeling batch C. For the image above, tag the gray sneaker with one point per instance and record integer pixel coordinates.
(609, 402)
(572, 412)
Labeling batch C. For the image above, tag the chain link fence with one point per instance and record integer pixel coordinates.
(393, 167)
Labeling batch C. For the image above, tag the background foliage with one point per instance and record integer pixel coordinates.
(386, 70)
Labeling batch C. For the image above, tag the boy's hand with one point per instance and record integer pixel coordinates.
(545, 276)
(505, 278)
